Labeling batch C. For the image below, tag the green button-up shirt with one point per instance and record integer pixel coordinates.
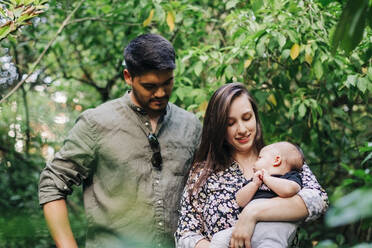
(128, 202)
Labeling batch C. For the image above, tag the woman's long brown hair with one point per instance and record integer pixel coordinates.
(214, 153)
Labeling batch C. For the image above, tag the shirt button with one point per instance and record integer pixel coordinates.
(147, 123)
(160, 201)
(157, 181)
(160, 223)
(65, 187)
(138, 109)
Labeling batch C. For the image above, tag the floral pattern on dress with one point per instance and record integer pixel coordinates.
(214, 208)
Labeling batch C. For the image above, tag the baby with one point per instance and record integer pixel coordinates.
(276, 173)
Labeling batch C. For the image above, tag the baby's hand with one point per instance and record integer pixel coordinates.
(265, 173)
(257, 178)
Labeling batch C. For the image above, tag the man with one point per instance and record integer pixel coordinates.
(132, 156)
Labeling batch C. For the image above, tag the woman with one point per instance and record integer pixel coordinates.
(231, 140)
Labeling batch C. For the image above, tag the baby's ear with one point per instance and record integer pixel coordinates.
(277, 161)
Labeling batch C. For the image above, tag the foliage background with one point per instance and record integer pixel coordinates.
(308, 93)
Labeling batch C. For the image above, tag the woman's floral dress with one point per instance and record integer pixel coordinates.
(214, 207)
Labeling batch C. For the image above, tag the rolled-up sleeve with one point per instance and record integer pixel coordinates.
(313, 195)
(71, 165)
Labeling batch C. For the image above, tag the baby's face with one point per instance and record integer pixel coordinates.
(266, 158)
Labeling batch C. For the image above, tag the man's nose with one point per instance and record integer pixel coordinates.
(160, 92)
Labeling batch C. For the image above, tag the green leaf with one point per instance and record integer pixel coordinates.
(350, 208)
(261, 46)
(318, 69)
(362, 84)
(4, 31)
(327, 244)
(2, 13)
(369, 73)
(198, 68)
(369, 156)
(285, 53)
(229, 72)
(231, 4)
(350, 28)
(351, 80)
(257, 5)
(281, 40)
(182, 92)
(106, 9)
(302, 110)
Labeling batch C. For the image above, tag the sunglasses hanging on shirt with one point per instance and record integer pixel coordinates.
(156, 159)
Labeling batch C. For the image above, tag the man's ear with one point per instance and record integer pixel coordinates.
(277, 161)
(127, 77)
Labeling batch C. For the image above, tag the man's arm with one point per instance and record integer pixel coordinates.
(56, 216)
(70, 166)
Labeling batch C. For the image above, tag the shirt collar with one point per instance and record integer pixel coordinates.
(140, 110)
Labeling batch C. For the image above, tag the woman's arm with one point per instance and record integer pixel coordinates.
(313, 195)
(275, 209)
(309, 203)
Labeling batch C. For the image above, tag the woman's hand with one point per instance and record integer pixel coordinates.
(243, 231)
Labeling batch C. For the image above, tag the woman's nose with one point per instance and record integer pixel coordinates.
(242, 129)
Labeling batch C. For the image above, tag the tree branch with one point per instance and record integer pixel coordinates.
(98, 18)
(65, 22)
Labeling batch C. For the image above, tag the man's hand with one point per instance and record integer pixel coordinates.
(243, 231)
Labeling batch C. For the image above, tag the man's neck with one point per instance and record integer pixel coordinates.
(154, 116)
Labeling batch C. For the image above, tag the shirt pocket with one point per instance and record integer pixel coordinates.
(178, 159)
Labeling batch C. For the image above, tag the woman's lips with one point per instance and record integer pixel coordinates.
(243, 140)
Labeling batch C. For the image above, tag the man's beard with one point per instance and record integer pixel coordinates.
(146, 105)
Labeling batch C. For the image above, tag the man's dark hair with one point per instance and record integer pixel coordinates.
(149, 52)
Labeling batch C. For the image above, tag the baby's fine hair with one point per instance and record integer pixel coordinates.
(292, 153)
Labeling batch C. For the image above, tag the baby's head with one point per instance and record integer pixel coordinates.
(280, 158)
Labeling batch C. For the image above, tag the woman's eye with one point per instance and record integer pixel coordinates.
(230, 123)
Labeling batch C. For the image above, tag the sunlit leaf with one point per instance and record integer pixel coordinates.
(203, 106)
(170, 20)
(247, 63)
(308, 58)
(295, 51)
(149, 18)
(272, 99)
